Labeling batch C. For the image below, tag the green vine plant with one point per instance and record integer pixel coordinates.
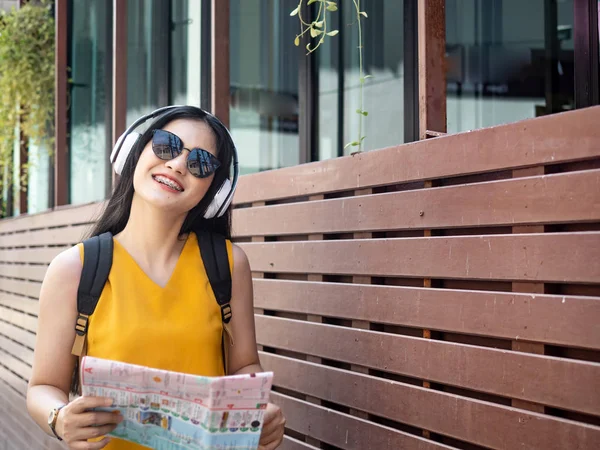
(26, 87)
(317, 29)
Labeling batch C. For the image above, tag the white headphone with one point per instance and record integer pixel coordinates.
(127, 140)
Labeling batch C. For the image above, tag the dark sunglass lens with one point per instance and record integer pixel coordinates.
(202, 164)
(165, 145)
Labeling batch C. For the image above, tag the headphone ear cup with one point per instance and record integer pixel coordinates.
(119, 159)
(220, 201)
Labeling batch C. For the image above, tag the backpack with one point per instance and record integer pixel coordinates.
(97, 262)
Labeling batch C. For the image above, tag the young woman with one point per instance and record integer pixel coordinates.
(157, 308)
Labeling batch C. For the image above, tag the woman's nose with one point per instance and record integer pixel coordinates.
(179, 163)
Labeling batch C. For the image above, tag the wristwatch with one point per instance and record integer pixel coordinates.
(52, 418)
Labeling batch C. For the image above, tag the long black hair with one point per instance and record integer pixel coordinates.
(116, 213)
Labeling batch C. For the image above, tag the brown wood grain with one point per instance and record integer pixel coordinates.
(15, 349)
(27, 288)
(18, 318)
(8, 377)
(25, 432)
(551, 139)
(566, 320)
(566, 384)
(15, 365)
(573, 257)
(65, 215)
(294, 444)
(16, 333)
(31, 255)
(19, 303)
(23, 271)
(560, 198)
(346, 431)
(474, 421)
(53, 236)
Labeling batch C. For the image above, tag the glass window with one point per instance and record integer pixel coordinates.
(264, 83)
(383, 94)
(90, 99)
(507, 60)
(163, 54)
(38, 183)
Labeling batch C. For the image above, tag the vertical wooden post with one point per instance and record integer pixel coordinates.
(61, 155)
(431, 19)
(528, 287)
(220, 60)
(313, 318)
(432, 66)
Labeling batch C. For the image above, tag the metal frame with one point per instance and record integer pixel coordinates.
(411, 71)
(587, 77)
(205, 54)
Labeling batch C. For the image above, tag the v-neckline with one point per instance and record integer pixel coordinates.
(143, 272)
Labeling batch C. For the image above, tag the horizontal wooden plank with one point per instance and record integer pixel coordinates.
(28, 288)
(570, 197)
(37, 255)
(17, 350)
(294, 444)
(562, 383)
(18, 318)
(558, 320)
(24, 304)
(69, 235)
(23, 271)
(482, 423)
(16, 333)
(66, 215)
(11, 379)
(15, 365)
(345, 431)
(561, 257)
(546, 140)
(25, 430)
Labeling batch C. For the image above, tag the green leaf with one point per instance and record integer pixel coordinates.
(368, 76)
(314, 32)
(365, 113)
(332, 33)
(362, 13)
(331, 8)
(295, 11)
(297, 41)
(318, 24)
(310, 2)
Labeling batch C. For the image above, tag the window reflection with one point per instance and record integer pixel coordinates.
(507, 60)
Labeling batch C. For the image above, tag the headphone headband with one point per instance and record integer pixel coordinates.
(224, 195)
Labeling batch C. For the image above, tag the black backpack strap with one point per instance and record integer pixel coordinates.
(213, 250)
(97, 262)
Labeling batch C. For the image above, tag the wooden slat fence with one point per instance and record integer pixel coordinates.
(437, 295)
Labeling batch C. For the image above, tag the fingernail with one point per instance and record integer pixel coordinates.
(108, 401)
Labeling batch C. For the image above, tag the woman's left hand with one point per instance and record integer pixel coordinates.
(273, 428)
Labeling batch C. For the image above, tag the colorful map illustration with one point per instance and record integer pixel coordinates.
(172, 411)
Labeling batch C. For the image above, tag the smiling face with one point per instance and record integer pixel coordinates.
(169, 184)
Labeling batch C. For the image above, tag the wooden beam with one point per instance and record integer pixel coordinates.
(432, 67)
(220, 60)
(585, 40)
(61, 155)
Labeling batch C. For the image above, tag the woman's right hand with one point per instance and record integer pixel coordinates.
(76, 423)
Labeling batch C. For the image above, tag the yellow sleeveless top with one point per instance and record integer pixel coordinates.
(176, 328)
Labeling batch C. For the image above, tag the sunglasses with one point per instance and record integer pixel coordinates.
(166, 146)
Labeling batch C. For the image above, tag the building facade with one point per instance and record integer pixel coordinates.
(503, 61)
